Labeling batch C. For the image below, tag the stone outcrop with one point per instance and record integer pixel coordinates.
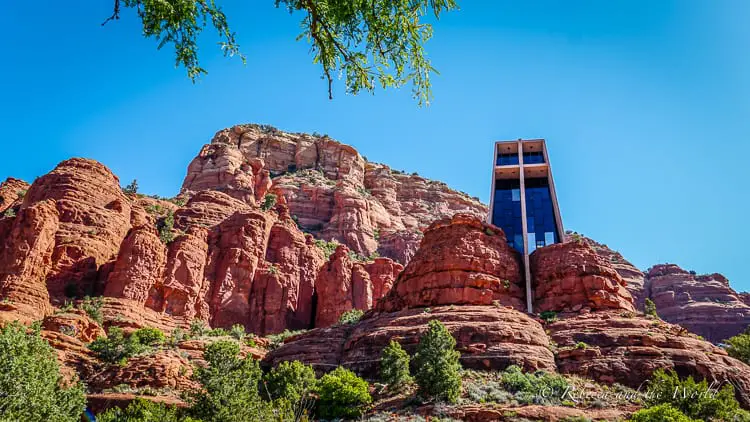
(94, 217)
(332, 191)
(27, 241)
(461, 261)
(635, 279)
(344, 284)
(139, 265)
(570, 276)
(623, 348)
(12, 191)
(488, 337)
(704, 304)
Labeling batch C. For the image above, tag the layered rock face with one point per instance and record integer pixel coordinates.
(12, 192)
(332, 191)
(461, 260)
(571, 276)
(635, 280)
(704, 304)
(597, 334)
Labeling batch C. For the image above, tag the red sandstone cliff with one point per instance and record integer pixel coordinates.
(331, 190)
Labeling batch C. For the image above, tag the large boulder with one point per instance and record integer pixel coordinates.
(461, 261)
(570, 276)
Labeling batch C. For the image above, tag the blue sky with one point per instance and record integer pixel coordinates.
(645, 106)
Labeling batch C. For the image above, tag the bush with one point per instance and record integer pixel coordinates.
(30, 381)
(739, 347)
(238, 332)
(140, 410)
(269, 200)
(660, 413)
(342, 395)
(118, 348)
(328, 247)
(697, 402)
(548, 316)
(229, 390)
(291, 381)
(351, 317)
(649, 308)
(516, 381)
(132, 188)
(198, 328)
(165, 227)
(394, 366)
(437, 367)
(276, 340)
(92, 306)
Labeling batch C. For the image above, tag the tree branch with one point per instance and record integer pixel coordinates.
(115, 14)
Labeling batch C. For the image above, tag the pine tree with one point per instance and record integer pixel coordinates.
(394, 366)
(437, 367)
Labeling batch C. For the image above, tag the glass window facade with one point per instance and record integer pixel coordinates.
(506, 211)
(507, 159)
(540, 213)
(533, 157)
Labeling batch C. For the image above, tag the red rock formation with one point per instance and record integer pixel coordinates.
(139, 266)
(12, 192)
(461, 261)
(489, 337)
(207, 209)
(25, 260)
(94, 218)
(282, 293)
(627, 349)
(74, 323)
(333, 192)
(343, 284)
(635, 280)
(570, 276)
(182, 291)
(704, 304)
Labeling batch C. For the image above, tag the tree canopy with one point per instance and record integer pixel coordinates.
(368, 43)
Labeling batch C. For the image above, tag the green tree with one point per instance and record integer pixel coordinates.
(436, 361)
(269, 200)
(692, 398)
(140, 410)
(649, 308)
(739, 347)
(132, 188)
(342, 395)
(32, 389)
(394, 366)
(351, 316)
(118, 347)
(291, 381)
(660, 413)
(370, 42)
(229, 390)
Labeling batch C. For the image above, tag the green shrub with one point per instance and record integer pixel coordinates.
(328, 248)
(291, 381)
(692, 398)
(276, 340)
(238, 332)
(10, 212)
(548, 316)
(269, 200)
(229, 390)
(217, 332)
(649, 308)
(165, 227)
(198, 328)
(92, 306)
(581, 345)
(141, 410)
(132, 188)
(342, 394)
(394, 366)
(32, 387)
(149, 336)
(436, 362)
(660, 413)
(739, 347)
(531, 384)
(351, 316)
(118, 348)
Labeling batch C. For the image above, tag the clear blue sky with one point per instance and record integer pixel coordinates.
(645, 106)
